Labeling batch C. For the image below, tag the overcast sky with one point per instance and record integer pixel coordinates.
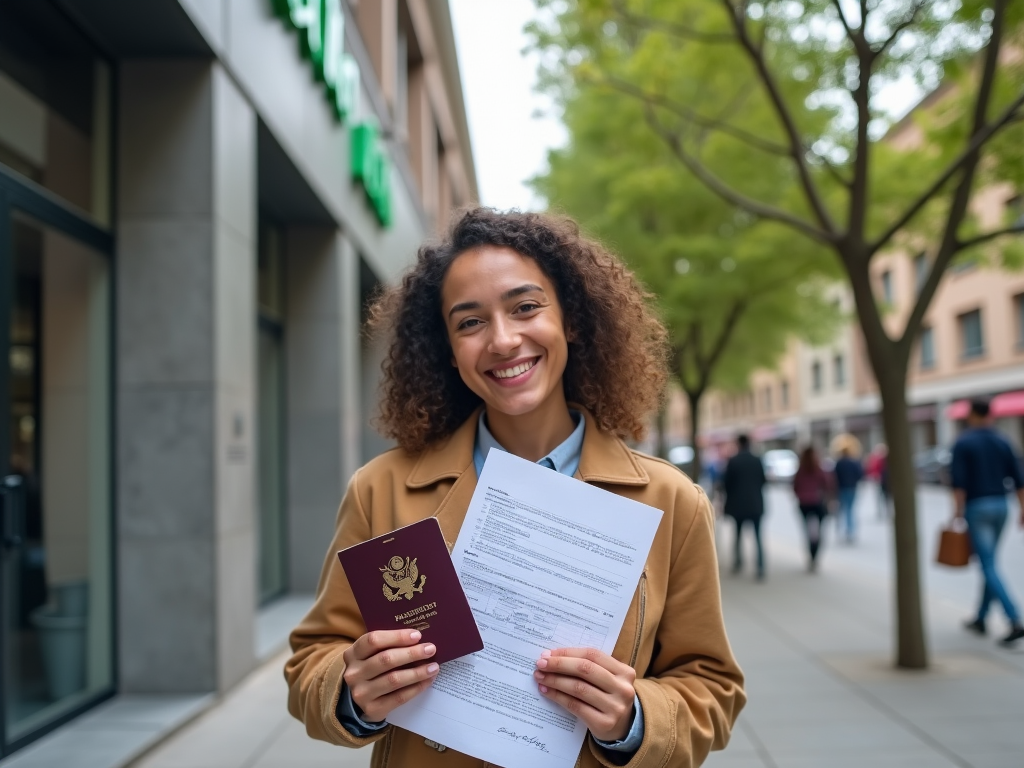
(510, 139)
(512, 127)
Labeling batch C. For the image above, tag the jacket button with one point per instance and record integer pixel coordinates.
(435, 745)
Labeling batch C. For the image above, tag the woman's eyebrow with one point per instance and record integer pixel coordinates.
(509, 294)
(520, 290)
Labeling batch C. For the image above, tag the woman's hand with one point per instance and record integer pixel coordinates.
(372, 674)
(592, 685)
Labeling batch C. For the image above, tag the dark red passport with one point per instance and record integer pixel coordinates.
(406, 580)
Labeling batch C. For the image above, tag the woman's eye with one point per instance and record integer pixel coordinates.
(468, 323)
(528, 307)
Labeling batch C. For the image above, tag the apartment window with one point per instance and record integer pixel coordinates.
(972, 340)
(768, 399)
(887, 286)
(816, 377)
(784, 394)
(1015, 209)
(920, 271)
(927, 349)
(839, 370)
(1018, 306)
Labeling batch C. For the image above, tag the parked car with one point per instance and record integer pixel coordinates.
(932, 465)
(780, 464)
(682, 456)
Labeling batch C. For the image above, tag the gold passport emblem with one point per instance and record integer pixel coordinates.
(401, 575)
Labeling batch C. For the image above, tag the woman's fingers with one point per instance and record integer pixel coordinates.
(589, 664)
(378, 708)
(608, 722)
(392, 658)
(372, 643)
(591, 685)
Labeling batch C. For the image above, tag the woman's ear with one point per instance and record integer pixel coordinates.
(570, 334)
(455, 363)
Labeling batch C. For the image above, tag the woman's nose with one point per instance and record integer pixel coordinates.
(503, 338)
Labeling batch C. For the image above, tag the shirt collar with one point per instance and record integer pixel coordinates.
(565, 458)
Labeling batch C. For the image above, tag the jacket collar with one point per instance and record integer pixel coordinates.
(605, 458)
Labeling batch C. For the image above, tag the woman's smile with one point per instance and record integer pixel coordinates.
(515, 372)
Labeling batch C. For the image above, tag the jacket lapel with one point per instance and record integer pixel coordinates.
(605, 459)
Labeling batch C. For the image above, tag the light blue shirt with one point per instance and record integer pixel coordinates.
(565, 459)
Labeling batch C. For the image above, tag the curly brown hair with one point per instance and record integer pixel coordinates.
(617, 365)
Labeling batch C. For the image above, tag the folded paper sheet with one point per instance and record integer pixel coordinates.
(546, 562)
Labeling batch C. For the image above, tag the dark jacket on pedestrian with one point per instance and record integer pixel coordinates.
(983, 462)
(743, 484)
(848, 473)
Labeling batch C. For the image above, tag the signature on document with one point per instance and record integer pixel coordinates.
(530, 740)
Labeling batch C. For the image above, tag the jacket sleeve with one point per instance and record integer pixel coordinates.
(314, 672)
(693, 691)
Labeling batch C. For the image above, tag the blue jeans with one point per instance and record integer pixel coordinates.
(846, 499)
(986, 518)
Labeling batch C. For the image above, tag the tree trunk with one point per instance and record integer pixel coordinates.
(661, 446)
(694, 399)
(911, 648)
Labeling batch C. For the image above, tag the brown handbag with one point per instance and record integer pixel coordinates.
(954, 545)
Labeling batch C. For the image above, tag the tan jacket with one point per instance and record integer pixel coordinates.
(688, 682)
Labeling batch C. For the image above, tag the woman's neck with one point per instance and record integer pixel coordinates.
(533, 435)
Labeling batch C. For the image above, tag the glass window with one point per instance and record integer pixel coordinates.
(839, 370)
(784, 394)
(55, 105)
(271, 412)
(927, 348)
(57, 606)
(1015, 209)
(816, 382)
(920, 271)
(887, 287)
(768, 399)
(972, 342)
(1018, 307)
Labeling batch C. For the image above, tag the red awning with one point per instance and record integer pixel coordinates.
(1006, 404)
(958, 410)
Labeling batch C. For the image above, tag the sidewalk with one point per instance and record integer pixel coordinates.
(816, 650)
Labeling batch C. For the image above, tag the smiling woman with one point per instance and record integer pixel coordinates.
(516, 333)
(616, 349)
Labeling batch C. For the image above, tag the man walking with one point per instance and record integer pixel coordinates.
(983, 461)
(849, 473)
(743, 484)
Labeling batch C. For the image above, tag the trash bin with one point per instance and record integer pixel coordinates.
(62, 626)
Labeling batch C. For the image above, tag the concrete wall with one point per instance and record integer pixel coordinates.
(186, 340)
(322, 342)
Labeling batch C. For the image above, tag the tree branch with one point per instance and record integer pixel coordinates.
(1016, 229)
(670, 27)
(722, 342)
(796, 144)
(978, 140)
(910, 19)
(962, 195)
(690, 115)
(857, 213)
(730, 195)
(851, 33)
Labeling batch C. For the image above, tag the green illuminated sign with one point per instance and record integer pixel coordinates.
(321, 28)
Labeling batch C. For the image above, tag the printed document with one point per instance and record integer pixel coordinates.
(547, 562)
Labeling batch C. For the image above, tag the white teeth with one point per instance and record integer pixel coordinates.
(508, 373)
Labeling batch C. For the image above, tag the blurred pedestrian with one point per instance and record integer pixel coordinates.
(983, 465)
(812, 486)
(848, 474)
(877, 470)
(743, 484)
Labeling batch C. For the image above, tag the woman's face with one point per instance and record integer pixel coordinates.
(506, 329)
